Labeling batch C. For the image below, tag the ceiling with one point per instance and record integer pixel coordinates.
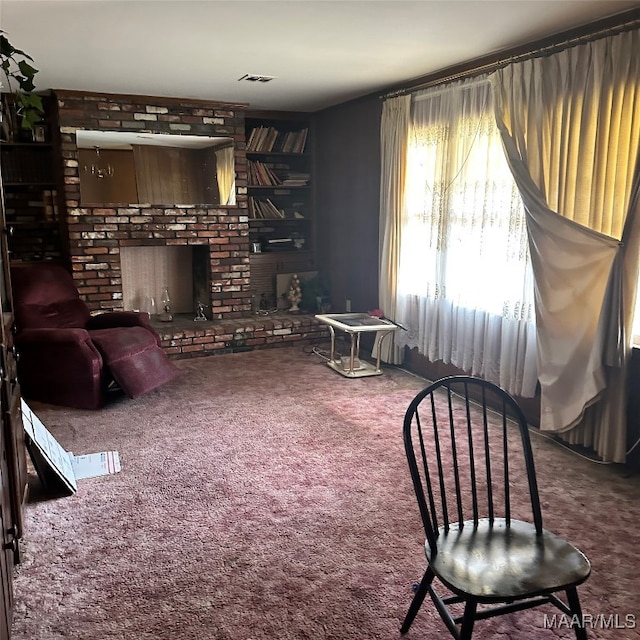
(321, 52)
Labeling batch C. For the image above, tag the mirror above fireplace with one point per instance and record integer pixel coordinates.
(127, 168)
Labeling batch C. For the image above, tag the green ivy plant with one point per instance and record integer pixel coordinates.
(17, 70)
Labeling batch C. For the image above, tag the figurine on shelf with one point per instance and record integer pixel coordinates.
(201, 316)
(294, 294)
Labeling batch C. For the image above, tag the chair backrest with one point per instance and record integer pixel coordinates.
(469, 453)
(45, 296)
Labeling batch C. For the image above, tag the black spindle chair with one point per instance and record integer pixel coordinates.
(469, 453)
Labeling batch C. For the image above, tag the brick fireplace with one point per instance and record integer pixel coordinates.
(97, 233)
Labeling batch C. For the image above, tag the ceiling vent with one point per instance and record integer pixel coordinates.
(254, 77)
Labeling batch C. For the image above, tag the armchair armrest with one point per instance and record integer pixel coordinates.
(61, 366)
(59, 336)
(111, 319)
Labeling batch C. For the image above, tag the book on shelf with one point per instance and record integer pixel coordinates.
(273, 175)
(279, 243)
(255, 138)
(261, 175)
(50, 203)
(265, 210)
(300, 141)
(270, 139)
(296, 178)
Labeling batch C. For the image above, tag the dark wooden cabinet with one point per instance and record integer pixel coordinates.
(31, 176)
(281, 200)
(6, 554)
(13, 474)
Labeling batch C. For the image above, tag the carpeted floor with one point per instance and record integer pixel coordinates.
(263, 496)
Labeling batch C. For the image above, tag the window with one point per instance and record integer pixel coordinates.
(465, 284)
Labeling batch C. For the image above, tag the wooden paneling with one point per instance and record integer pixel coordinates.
(119, 188)
(168, 175)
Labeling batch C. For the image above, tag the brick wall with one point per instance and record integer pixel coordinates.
(96, 233)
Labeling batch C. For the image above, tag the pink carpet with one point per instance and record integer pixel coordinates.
(264, 496)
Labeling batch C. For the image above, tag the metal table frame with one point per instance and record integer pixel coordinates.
(356, 324)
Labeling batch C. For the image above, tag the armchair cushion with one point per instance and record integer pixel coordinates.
(46, 296)
(60, 314)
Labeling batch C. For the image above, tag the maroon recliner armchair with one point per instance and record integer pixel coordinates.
(68, 357)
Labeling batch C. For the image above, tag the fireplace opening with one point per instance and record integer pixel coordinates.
(182, 270)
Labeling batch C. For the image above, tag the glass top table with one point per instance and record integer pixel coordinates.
(355, 324)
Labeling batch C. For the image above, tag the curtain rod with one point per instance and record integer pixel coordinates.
(472, 82)
(528, 55)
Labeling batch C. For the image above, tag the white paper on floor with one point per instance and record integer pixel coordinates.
(91, 465)
(56, 466)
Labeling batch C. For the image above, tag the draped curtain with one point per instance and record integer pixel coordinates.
(570, 124)
(464, 287)
(393, 144)
(225, 170)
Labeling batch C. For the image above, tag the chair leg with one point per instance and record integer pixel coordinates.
(418, 599)
(576, 613)
(468, 619)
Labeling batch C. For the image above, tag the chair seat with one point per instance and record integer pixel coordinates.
(495, 562)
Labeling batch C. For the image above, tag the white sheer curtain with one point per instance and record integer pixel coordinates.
(571, 128)
(464, 285)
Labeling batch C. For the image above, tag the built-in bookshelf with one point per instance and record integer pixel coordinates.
(31, 194)
(280, 183)
(280, 194)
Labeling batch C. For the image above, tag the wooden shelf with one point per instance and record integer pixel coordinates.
(268, 189)
(278, 154)
(44, 185)
(42, 145)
